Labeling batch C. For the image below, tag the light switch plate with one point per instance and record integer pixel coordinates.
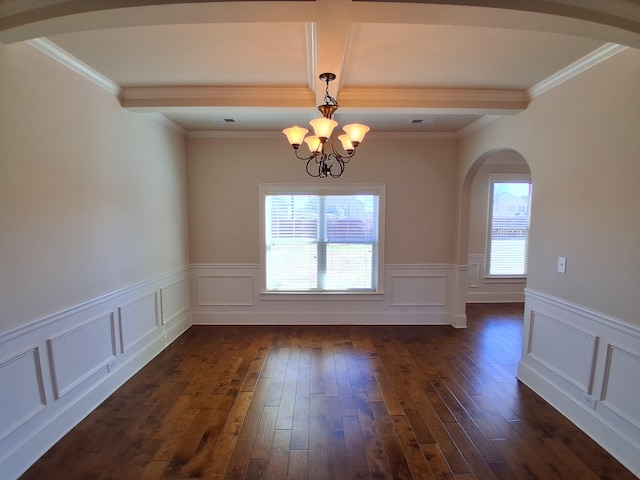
(562, 264)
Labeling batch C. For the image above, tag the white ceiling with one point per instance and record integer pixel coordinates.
(257, 63)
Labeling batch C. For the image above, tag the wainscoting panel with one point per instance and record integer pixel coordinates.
(490, 290)
(175, 299)
(587, 365)
(620, 399)
(71, 365)
(57, 369)
(410, 294)
(225, 290)
(548, 342)
(137, 320)
(22, 395)
(419, 290)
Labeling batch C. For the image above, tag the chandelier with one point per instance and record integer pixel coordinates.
(325, 160)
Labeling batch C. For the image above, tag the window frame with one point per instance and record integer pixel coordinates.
(505, 178)
(308, 189)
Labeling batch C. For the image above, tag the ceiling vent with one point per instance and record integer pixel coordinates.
(223, 120)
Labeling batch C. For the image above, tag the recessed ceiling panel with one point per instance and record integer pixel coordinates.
(196, 54)
(241, 119)
(443, 56)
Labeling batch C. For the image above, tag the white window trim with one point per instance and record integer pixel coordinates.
(502, 178)
(309, 189)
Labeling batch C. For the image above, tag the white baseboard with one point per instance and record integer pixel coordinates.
(586, 365)
(320, 318)
(495, 297)
(65, 365)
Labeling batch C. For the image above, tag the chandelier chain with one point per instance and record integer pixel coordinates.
(328, 99)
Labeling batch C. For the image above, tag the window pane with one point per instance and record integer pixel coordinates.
(292, 266)
(349, 266)
(509, 228)
(292, 216)
(321, 242)
(351, 218)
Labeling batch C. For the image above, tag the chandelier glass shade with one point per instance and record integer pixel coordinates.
(325, 160)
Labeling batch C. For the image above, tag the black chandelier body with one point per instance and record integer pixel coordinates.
(325, 160)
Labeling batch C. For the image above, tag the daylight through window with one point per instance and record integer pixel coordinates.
(509, 228)
(321, 243)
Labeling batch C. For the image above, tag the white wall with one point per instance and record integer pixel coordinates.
(93, 249)
(581, 349)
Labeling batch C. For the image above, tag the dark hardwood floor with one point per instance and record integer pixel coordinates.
(332, 402)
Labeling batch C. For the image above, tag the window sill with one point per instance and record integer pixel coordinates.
(506, 279)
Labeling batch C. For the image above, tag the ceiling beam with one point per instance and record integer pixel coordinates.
(471, 100)
(456, 100)
(215, 96)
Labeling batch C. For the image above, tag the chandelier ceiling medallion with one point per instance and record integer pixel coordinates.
(325, 160)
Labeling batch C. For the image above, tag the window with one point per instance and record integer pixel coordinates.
(321, 239)
(508, 243)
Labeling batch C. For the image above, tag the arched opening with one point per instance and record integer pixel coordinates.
(484, 284)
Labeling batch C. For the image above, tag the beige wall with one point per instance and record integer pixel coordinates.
(92, 198)
(581, 142)
(224, 174)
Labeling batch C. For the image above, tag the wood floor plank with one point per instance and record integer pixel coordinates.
(393, 450)
(279, 458)
(298, 465)
(288, 398)
(302, 402)
(248, 431)
(223, 449)
(372, 443)
(300, 421)
(318, 459)
(265, 433)
(418, 464)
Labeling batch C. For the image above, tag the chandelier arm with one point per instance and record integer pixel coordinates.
(315, 175)
(310, 157)
(340, 163)
(344, 158)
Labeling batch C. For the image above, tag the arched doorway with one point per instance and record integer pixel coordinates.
(497, 240)
(474, 285)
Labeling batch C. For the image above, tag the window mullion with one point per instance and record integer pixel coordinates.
(322, 244)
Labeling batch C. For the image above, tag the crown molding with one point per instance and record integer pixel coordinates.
(165, 122)
(370, 135)
(478, 124)
(233, 134)
(65, 58)
(590, 60)
(413, 135)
